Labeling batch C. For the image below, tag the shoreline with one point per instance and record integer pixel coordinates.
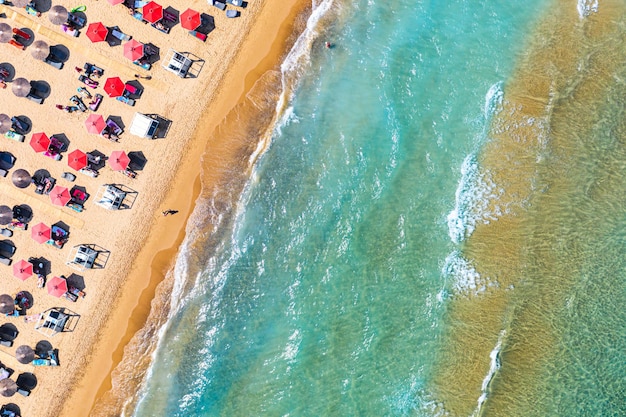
(162, 244)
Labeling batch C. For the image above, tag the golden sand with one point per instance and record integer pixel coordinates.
(142, 242)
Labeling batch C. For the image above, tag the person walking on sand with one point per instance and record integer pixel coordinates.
(167, 212)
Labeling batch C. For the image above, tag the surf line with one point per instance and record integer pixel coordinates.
(493, 370)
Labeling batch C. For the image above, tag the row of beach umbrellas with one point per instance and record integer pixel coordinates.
(57, 286)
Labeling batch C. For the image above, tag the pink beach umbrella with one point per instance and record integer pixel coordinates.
(57, 287)
(22, 270)
(60, 196)
(114, 2)
(119, 160)
(40, 232)
(190, 19)
(133, 50)
(95, 124)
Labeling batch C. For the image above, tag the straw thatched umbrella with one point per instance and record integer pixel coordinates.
(6, 214)
(5, 32)
(7, 304)
(58, 15)
(21, 87)
(5, 123)
(8, 387)
(20, 3)
(24, 354)
(41, 50)
(21, 178)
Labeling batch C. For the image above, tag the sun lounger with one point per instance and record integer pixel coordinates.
(6, 249)
(6, 343)
(93, 70)
(68, 176)
(238, 3)
(89, 172)
(69, 30)
(169, 17)
(198, 35)
(6, 232)
(75, 20)
(23, 391)
(19, 125)
(139, 16)
(95, 103)
(83, 92)
(161, 27)
(56, 64)
(88, 81)
(219, 5)
(116, 33)
(114, 128)
(21, 34)
(3, 172)
(4, 260)
(126, 100)
(34, 97)
(14, 136)
(30, 9)
(144, 65)
(77, 101)
(16, 44)
(131, 89)
(232, 13)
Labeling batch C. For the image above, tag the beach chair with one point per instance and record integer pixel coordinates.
(219, 5)
(53, 63)
(34, 97)
(88, 81)
(75, 20)
(20, 33)
(6, 343)
(5, 261)
(238, 3)
(77, 101)
(89, 172)
(3, 172)
(23, 391)
(83, 92)
(126, 100)
(198, 35)
(68, 176)
(6, 232)
(130, 89)
(16, 44)
(118, 34)
(19, 125)
(93, 70)
(161, 27)
(144, 65)
(70, 30)
(11, 134)
(232, 13)
(95, 103)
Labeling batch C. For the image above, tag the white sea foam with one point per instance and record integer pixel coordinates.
(476, 201)
(495, 365)
(493, 100)
(586, 7)
(465, 279)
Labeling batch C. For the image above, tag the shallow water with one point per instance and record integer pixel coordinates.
(437, 223)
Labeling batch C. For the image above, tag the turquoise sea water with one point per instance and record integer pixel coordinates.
(337, 290)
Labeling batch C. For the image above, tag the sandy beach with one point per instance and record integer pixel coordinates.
(139, 244)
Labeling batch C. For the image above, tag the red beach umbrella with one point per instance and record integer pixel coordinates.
(97, 32)
(114, 87)
(22, 270)
(57, 287)
(152, 12)
(77, 159)
(95, 124)
(133, 50)
(60, 196)
(190, 19)
(114, 2)
(40, 142)
(119, 160)
(41, 233)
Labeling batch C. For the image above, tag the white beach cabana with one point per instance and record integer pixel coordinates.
(144, 126)
(110, 197)
(177, 63)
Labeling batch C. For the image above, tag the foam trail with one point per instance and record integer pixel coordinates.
(493, 369)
